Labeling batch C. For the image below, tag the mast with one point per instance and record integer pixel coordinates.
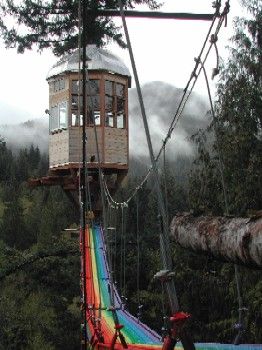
(83, 204)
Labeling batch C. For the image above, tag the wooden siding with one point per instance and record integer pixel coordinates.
(66, 146)
(58, 97)
(59, 148)
(116, 146)
(75, 141)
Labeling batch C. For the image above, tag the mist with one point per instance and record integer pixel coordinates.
(161, 101)
(23, 135)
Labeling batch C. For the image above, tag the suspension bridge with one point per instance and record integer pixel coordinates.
(89, 158)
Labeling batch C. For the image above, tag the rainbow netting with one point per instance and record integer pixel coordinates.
(137, 335)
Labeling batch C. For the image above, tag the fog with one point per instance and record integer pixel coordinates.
(33, 132)
(161, 101)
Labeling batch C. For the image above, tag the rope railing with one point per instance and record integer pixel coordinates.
(185, 97)
(226, 206)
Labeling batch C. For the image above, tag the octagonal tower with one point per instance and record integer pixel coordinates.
(107, 107)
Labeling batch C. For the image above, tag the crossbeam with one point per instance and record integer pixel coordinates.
(155, 14)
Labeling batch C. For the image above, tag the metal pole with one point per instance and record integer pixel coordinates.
(164, 239)
(155, 14)
(83, 172)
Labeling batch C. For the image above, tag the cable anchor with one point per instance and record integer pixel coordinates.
(177, 322)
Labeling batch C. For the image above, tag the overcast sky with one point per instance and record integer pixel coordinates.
(164, 50)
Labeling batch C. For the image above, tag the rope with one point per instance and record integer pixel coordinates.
(239, 326)
(194, 75)
(115, 248)
(110, 248)
(138, 256)
(164, 313)
(220, 162)
(164, 246)
(121, 252)
(124, 255)
(101, 183)
(165, 183)
(82, 175)
(221, 169)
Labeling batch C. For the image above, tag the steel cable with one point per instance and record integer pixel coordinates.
(183, 100)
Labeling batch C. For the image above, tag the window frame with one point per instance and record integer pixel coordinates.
(115, 97)
(89, 122)
(56, 118)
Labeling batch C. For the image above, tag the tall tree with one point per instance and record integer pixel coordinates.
(6, 162)
(238, 122)
(12, 227)
(235, 136)
(54, 23)
(239, 114)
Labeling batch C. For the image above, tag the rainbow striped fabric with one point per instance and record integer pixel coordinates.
(104, 315)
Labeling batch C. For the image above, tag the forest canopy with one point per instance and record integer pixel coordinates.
(39, 264)
(55, 24)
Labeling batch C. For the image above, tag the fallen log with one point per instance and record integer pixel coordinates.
(235, 240)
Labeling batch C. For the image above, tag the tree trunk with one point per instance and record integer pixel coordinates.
(236, 240)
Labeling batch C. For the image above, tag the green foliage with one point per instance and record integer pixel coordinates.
(232, 147)
(6, 162)
(39, 268)
(55, 24)
(38, 289)
(237, 128)
(37, 301)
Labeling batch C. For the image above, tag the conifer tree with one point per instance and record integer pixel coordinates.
(55, 23)
(237, 125)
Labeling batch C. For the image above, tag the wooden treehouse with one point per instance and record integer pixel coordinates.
(107, 113)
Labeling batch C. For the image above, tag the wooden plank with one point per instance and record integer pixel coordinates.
(116, 78)
(58, 148)
(75, 149)
(59, 97)
(156, 14)
(116, 145)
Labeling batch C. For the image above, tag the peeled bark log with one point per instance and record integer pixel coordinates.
(236, 240)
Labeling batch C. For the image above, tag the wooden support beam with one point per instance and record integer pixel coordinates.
(231, 239)
(155, 14)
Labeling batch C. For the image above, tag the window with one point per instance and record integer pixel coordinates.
(74, 102)
(109, 88)
(109, 120)
(97, 117)
(120, 106)
(120, 121)
(76, 119)
(76, 87)
(63, 122)
(57, 85)
(51, 87)
(53, 119)
(120, 90)
(109, 103)
(58, 117)
(93, 101)
(115, 104)
(61, 84)
(93, 87)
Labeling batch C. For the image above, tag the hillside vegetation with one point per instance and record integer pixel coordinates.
(40, 264)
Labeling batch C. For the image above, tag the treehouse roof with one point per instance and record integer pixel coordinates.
(97, 59)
